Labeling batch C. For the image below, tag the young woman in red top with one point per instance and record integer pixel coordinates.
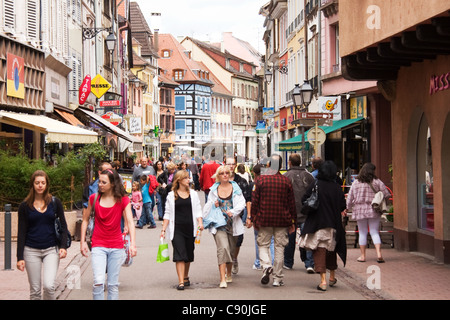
(108, 252)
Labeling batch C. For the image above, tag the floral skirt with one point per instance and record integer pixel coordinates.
(323, 238)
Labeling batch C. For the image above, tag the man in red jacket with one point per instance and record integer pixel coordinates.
(206, 180)
(273, 214)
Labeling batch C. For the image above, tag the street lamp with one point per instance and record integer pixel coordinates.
(301, 97)
(111, 45)
(268, 76)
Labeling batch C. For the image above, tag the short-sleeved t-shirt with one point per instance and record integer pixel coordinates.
(107, 229)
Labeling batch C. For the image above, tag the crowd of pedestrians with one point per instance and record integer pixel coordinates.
(235, 198)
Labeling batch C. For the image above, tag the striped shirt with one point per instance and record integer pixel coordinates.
(360, 196)
(273, 202)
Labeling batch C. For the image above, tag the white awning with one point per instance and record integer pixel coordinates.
(110, 127)
(55, 131)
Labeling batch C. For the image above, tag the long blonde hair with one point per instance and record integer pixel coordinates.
(180, 175)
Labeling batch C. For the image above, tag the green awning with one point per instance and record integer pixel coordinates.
(295, 143)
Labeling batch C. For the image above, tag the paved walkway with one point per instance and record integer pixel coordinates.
(404, 276)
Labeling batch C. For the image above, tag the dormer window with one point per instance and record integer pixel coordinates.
(166, 53)
(178, 74)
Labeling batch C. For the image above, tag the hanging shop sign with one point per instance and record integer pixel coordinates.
(85, 89)
(15, 76)
(331, 104)
(358, 107)
(113, 118)
(99, 86)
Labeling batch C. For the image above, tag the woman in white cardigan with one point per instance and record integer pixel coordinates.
(227, 196)
(183, 216)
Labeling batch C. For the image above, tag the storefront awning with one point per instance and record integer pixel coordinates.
(129, 139)
(55, 131)
(295, 143)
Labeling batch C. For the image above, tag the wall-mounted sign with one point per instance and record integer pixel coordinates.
(99, 86)
(358, 107)
(135, 125)
(85, 89)
(15, 76)
(439, 83)
(268, 112)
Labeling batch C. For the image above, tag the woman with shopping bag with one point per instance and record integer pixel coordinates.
(182, 218)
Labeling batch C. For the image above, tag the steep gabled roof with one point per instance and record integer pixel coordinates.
(178, 60)
(221, 57)
(218, 88)
(141, 31)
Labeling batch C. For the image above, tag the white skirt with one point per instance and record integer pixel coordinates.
(323, 238)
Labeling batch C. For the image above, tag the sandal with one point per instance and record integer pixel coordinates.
(187, 283)
(360, 260)
(332, 282)
(380, 260)
(322, 287)
(180, 286)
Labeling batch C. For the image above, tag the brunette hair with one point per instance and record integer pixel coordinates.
(32, 193)
(114, 179)
(241, 168)
(180, 175)
(367, 173)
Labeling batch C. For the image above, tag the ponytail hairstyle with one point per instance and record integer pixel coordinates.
(32, 193)
(114, 179)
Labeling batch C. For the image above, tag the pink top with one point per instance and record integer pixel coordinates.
(360, 196)
(107, 230)
(136, 197)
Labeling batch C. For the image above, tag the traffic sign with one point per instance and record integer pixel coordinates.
(315, 115)
(316, 136)
(99, 86)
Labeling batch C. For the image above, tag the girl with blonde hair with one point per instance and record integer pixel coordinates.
(183, 216)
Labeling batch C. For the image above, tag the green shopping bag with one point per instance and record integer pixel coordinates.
(163, 252)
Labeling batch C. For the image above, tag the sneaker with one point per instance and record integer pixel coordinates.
(228, 279)
(235, 268)
(152, 226)
(266, 275)
(223, 284)
(256, 267)
(286, 267)
(310, 270)
(278, 283)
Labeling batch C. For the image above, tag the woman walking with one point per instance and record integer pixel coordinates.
(37, 247)
(159, 169)
(182, 218)
(108, 252)
(359, 201)
(226, 196)
(323, 232)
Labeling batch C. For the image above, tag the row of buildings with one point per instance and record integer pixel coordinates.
(383, 69)
(98, 69)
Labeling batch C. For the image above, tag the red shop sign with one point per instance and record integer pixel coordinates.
(439, 83)
(85, 89)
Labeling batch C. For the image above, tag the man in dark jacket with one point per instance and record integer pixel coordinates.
(300, 179)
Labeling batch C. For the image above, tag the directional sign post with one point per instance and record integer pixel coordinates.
(316, 135)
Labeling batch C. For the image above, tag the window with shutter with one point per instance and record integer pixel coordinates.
(32, 16)
(9, 14)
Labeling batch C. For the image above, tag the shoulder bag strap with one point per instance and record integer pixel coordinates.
(93, 206)
(373, 189)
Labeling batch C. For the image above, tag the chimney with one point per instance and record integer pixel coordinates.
(156, 40)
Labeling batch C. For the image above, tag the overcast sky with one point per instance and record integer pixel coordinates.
(207, 19)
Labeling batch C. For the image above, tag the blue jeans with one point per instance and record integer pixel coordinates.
(147, 215)
(257, 262)
(159, 205)
(109, 260)
(289, 251)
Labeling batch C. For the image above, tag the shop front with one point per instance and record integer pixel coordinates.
(412, 67)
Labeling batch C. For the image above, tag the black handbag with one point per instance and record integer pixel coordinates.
(59, 230)
(311, 204)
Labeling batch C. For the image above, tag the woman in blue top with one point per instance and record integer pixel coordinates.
(37, 247)
(147, 212)
(227, 196)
